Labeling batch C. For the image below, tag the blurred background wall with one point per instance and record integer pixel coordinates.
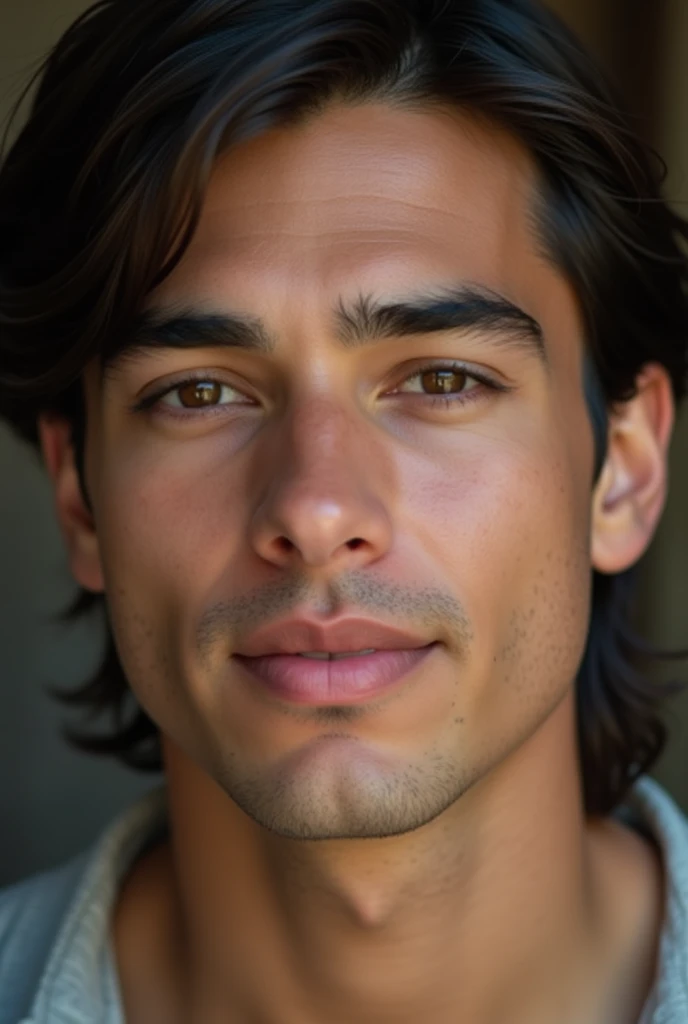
(53, 800)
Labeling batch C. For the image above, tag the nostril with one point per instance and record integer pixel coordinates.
(285, 544)
(355, 543)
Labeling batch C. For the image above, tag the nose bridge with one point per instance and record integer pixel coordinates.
(322, 492)
(320, 436)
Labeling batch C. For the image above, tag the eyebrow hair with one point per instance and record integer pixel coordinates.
(187, 328)
(363, 322)
(458, 309)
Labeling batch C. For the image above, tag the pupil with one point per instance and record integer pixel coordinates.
(199, 394)
(443, 382)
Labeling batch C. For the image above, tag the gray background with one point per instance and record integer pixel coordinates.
(53, 800)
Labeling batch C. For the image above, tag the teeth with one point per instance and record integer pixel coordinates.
(324, 656)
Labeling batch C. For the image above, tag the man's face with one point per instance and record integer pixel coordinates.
(315, 479)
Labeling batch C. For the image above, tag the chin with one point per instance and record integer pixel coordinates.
(337, 787)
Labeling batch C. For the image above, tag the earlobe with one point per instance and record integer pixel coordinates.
(75, 519)
(630, 494)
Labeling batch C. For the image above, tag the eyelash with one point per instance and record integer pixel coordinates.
(444, 401)
(461, 398)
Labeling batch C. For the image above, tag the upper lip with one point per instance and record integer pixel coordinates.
(296, 636)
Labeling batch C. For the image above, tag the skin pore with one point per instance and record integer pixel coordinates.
(450, 873)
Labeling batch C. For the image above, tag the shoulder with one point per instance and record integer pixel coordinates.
(661, 816)
(31, 914)
(55, 927)
(653, 811)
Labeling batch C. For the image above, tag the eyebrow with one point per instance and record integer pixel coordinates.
(364, 321)
(460, 309)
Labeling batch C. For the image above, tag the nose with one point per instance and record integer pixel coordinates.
(321, 503)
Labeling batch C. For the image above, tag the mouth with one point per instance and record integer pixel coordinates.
(329, 656)
(321, 678)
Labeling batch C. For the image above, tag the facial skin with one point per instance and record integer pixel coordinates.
(329, 485)
(474, 520)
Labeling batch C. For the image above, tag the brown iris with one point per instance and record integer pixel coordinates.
(199, 393)
(443, 382)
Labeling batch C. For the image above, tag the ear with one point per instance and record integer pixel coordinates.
(74, 517)
(631, 492)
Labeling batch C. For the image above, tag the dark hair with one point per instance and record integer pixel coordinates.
(101, 193)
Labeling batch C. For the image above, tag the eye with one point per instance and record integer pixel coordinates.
(200, 394)
(448, 384)
(439, 380)
(192, 395)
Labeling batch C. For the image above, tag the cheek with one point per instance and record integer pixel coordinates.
(510, 534)
(169, 522)
(168, 533)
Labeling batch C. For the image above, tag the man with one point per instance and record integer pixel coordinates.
(352, 333)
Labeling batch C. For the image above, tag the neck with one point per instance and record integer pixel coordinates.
(499, 910)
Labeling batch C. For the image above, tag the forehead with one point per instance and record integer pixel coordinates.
(370, 199)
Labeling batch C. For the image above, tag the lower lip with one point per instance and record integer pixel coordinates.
(345, 681)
